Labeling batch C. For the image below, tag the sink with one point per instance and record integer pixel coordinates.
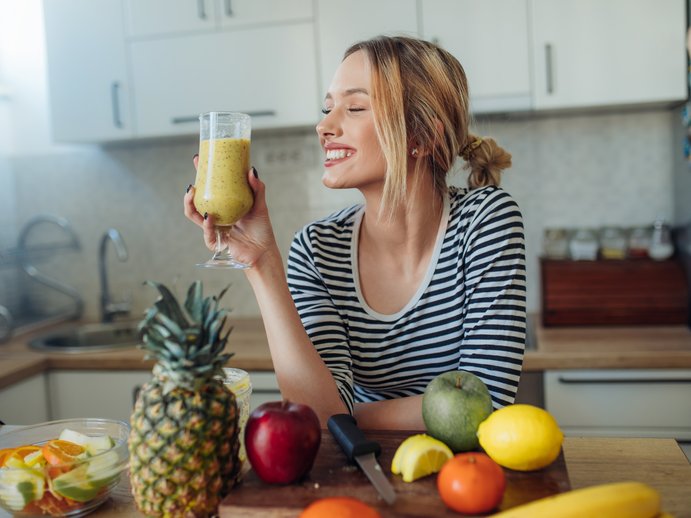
(88, 338)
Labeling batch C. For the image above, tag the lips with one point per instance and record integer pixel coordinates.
(336, 154)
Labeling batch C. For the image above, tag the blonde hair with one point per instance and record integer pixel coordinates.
(420, 100)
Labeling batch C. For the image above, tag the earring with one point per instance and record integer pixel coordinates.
(414, 151)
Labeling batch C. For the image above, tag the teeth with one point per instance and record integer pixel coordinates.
(335, 154)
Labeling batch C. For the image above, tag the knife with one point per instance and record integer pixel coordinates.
(362, 451)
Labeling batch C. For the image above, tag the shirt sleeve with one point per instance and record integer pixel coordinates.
(320, 318)
(494, 312)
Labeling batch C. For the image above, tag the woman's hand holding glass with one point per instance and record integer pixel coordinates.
(250, 237)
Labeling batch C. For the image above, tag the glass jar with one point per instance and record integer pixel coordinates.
(555, 243)
(584, 245)
(238, 381)
(661, 246)
(639, 242)
(612, 243)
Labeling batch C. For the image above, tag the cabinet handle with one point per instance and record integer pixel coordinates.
(201, 9)
(115, 103)
(195, 118)
(229, 8)
(587, 381)
(548, 68)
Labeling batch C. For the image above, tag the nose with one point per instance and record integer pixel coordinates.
(328, 126)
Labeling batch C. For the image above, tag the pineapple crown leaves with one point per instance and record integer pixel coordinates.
(188, 347)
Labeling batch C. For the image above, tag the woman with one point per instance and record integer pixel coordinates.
(421, 279)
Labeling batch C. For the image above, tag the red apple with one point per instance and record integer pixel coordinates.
(282, 440)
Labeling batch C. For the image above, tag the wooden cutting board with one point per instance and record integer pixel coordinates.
(331, 475)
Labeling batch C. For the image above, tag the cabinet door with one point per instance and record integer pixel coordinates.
(491, 41)
(87, 70)
(602, 52)
(106, 394)
(234, 13)
(158, 17)
(25, 402)
(179, 78)
(340, 24)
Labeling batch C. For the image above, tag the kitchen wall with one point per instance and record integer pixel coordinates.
(569, 170)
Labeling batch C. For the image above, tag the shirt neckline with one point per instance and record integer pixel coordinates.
(432, 266)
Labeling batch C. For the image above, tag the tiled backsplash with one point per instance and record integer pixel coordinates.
(569, 171)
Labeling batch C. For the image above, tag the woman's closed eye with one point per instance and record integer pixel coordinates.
(326, 111)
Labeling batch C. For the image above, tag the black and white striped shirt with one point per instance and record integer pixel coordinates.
(469, 312)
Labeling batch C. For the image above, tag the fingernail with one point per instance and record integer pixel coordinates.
(196, 155)
(188, 188)
(254, 172)
(206, 216)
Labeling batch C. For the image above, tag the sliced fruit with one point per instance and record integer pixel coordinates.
(103, 469)
(93, 444)
(75, 484)
(4, 453)
(420, 455)
(58, 452)
(34, 459)
(15, 459)
(19, 487)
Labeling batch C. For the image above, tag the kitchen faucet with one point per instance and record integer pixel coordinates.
(26, 255)
(109, 309)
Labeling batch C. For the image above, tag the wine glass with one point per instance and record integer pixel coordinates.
(221, 187)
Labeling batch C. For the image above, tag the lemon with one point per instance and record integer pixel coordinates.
(521, 437)
(418, 456)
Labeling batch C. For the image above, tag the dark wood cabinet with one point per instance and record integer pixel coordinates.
(614, 292)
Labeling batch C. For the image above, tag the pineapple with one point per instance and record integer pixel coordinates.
(184, 437)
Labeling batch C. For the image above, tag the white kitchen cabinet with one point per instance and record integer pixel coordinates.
(608, 52)
(632, 402)
(88, 86)
(106, 394)
(25, 402)
(178, 78)
(150, 18)
(491, 40)
(95, 393)
(340, 24)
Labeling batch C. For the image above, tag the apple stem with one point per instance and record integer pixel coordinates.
(458, 382)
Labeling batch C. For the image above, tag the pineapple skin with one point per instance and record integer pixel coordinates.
(184, 448)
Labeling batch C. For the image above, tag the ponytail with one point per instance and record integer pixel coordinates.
(485, 159)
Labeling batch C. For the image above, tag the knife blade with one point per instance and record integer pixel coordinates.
(362, 451)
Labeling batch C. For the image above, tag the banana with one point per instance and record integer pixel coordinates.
(619, 499)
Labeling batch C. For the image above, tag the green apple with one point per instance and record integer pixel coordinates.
(19, 487)
(453, 406)
(75, 484)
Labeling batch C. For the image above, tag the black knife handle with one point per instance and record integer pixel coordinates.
(350, 438)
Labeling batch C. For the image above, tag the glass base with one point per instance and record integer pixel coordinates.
(223, 260)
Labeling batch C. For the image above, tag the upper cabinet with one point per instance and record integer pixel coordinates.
(122, 69)
(340, 24)
(176, 79)
(89, 89)
(491, 40)
(165, 17)
(590, 53)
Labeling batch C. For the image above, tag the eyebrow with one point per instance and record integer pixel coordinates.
(350, 91)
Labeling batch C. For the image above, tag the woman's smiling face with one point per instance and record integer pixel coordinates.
(353, 155)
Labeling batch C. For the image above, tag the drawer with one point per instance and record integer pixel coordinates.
(641, 403)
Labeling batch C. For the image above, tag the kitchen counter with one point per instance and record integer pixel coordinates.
(589, 461)
(654, 347)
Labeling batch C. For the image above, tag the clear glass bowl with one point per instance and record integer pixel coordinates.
(49, 484)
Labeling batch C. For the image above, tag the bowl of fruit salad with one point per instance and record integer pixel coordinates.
(61, 468)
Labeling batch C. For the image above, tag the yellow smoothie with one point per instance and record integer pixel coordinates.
(221, 187)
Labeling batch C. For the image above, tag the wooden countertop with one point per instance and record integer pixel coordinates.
(589, 461)
(654, 347)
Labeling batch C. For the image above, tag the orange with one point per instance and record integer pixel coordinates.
(57, 452)
(339, 507)
(19, 453)
(4, 453)
(471, 483)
